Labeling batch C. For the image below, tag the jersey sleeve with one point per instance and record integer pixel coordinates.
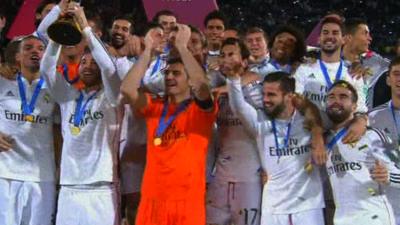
(49, 19)
(60, 90)
(109, 75)
(246, 113)
(362, 95)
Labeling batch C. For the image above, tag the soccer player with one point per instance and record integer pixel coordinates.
(166, 19)
(256, 40)
(314, 79)
(287, 49)
(90, 125)
(293, 193)
(27, 164)
(178, 132)
(358, 172)
(361, 60)
(387, 118)
(234, 195)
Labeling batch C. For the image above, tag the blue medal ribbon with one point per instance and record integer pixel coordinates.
(286, 140)
(336, 138)
(28, 108)
(66, 77)
(276, 65)
(162, 124)
(324, 70)
(156, 66)
(80, 109)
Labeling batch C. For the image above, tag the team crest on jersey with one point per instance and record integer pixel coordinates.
(311, 76)
(46, 98)
(353, 144)
(10, 94)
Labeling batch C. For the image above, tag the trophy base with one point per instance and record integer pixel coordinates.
(65, 32)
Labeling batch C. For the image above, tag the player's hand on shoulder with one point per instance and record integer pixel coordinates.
(356, 130)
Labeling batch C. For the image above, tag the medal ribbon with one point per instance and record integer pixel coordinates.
(276, 65)
(80, 109)
(28, 108)
(286, 140)
(162, 124)
(336, 138)
(65, 74)
(324, 70)
(156, 66)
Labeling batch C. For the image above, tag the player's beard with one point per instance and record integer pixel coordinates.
(329, 51)
(276, 111)
(338, 116)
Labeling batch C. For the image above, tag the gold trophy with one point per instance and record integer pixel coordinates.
(65, 31)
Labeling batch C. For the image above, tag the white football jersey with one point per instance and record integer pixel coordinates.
(90, 155)
(31, 157)
(290, 188)
(311, 83)
(382, 118)
(237, 159)
(348, 168)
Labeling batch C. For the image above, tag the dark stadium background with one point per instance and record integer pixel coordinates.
(383, 16)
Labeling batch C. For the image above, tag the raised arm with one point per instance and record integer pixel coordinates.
(109, 75)
(198, 79)
(49, 19)
(246, 113)
(59, 88)
(130, 88)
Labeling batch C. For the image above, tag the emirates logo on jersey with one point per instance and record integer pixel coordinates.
(20, 117)
(89, 116)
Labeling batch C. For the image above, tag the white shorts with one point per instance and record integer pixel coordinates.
(131, 177)
(308, 217)
(234, 202)
(378, 212)
(25, 202)
(88, 206)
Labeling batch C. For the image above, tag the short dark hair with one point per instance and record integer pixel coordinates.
(128, 18)
(394, 62)
(348, 86)
(351, 25)
(11, 51)
(253, 30)
(95, 17)
(174, 59)
(27, 37)
(286, 82)
(300, 47)
(331, 19)
(215, 15)
(244, 52)
(162, 13)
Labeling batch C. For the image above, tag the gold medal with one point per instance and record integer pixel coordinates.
(309, 168)
(75, 130)
(371, 191)
(157, 141)
(29, 118)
